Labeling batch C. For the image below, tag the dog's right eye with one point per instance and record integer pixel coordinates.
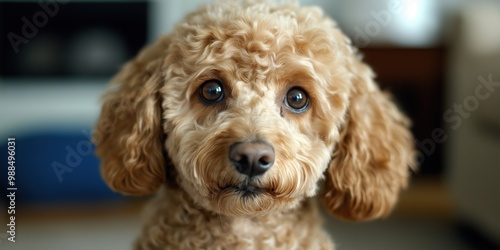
(211, 92)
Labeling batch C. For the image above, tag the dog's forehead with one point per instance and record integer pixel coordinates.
(257, 51)
(256, 39)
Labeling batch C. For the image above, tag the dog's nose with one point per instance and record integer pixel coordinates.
(251, 158)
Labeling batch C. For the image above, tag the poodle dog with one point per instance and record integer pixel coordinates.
(239, 118)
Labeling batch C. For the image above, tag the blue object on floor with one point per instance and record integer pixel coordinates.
(55, 167)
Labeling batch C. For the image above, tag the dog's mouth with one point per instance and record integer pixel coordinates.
(244, 190)
(248, 190)
(249, 198)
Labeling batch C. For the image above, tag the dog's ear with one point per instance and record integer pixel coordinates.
(129, 136)
(370, 164)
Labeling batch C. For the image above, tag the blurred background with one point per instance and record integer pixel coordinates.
(440, 59)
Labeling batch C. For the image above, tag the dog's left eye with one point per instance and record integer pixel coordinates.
(297, 100)
(211, 92)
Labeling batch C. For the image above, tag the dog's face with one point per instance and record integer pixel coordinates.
(253, 103)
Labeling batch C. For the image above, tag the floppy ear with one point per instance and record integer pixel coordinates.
(128, 136)
(372, 158)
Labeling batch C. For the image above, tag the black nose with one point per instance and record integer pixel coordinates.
(251, 158)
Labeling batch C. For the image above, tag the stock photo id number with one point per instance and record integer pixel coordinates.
(11, 189)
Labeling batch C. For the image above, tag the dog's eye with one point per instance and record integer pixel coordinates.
(297, 100)
(211, 92)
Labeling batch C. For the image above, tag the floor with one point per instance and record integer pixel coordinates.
(115, 226)
(397, 233)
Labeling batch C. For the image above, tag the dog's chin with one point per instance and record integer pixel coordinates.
(249, 201)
